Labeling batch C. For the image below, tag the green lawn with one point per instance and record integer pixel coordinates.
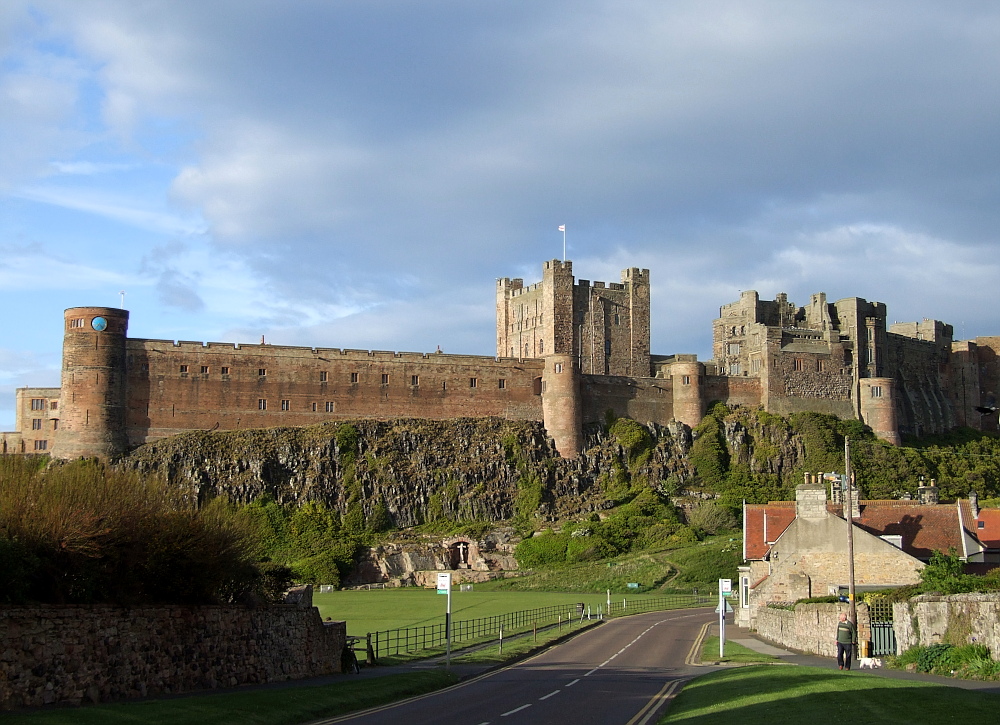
(379, 609)
(807, 695)
(284, 706)
(733, 654)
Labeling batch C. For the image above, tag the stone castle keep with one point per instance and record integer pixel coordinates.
(567, 352)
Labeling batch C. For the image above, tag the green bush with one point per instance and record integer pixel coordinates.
(930, 657)
(543, 550)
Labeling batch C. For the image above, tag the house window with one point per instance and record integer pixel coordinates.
(686, 379)
(797, 365)
(225, 370)
(184, 369)
(473, 382)
(261, 372)
(322, 376)
(876, 391)
(502, 383)
(385, 378)
(414, 380)
(286, 405)
(262, 404)
(41, 445)
(204, 369)
(354, 377)
(76, 322)
(38, 403)
(980, 524)
(36, 424)
(330, 406)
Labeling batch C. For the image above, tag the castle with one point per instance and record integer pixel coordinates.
(568, 351)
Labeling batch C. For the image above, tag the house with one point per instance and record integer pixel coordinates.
(798, 549)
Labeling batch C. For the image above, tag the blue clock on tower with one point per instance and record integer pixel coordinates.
(99, 324)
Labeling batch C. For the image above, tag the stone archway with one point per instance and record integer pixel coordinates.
(458, 555)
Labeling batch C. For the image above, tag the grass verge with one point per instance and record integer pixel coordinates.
(733, 654)
(804, 695)
(279, 706)
(516, 648)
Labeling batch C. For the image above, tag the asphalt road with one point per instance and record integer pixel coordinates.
(621, 673)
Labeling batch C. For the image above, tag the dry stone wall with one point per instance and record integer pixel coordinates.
(63, 654)
(809, 627)
(955, 619)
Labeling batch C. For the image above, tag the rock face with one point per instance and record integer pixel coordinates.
(472, 469)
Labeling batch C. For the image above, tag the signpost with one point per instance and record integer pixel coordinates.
(725, 589)
(444, 587)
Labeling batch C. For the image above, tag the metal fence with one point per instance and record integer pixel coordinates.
(413, 639)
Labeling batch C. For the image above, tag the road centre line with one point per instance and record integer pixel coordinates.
(546, 697)
(516, 709)
(573, 682)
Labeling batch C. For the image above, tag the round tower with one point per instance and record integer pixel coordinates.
(92, 399)
(689, 403)
(878, 408)
(562, 412)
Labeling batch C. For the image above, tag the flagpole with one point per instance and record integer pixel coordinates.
(562, 228)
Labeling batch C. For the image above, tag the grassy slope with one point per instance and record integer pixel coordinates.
(807, 695)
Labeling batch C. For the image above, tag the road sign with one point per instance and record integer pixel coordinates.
(444, 582)
(729, 607)
(726, 586)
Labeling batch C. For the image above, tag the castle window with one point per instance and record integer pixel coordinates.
(286, 405)
(558, 367)
(733, 348)
(734, 369)
(526, 349)
(385, 378)
(755, 364)
(204, 369)
(225, 370)
(54, 405)
(541, 347)
(144, 368)
(871, 354)
(685, 379)
(618, 319)
(76, 322)
(502, 383)
(262, 404)
(607, 347)
(414, 380)
(36, 424)
(261, 372)
(55, 424)
(329, 406)
(38, 403)
(473, 382)
(322, 376)
(41, 445)
(314, 408)
(354, 377)
(797, 365)
(876, 391)
(444, 385)
(820, 366)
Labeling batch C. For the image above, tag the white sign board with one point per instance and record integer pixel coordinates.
(726, 586)
(444, 582)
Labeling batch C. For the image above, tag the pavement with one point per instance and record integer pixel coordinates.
(750, 640)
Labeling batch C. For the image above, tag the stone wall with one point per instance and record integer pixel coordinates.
(809, 627)
(65, 654)
(956, 619)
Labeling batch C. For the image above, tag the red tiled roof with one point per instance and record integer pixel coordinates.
(990, 533)
(924, 527)
(772, 518)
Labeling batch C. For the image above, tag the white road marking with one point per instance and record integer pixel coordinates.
(516, 709)
(591, 672)
(573, 682)
(546, 697)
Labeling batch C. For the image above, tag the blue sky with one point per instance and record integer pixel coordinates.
(358, 173)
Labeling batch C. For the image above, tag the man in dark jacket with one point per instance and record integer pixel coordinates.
(847, 638)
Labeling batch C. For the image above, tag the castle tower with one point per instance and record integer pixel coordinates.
(92, 400)
(689, 402)
(877, 400)
(562, 408)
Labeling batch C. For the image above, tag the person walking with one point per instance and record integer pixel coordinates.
(847, 640)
